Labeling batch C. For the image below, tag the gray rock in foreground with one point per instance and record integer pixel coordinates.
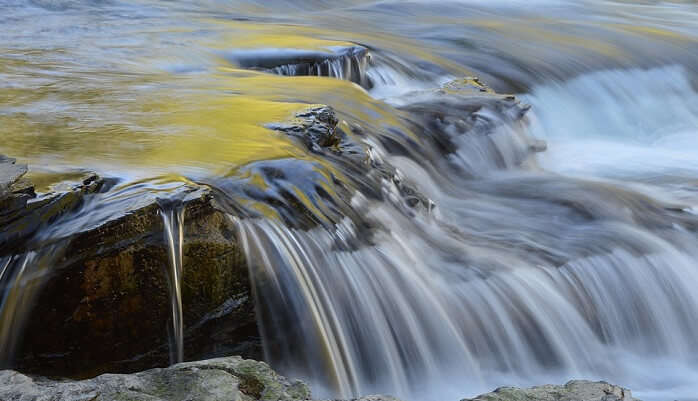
(237, 379)
(576, 390)
(222, 379)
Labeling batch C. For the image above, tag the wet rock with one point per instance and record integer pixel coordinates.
(467, 84)
(347, 62)
(85, 278)
(316, 127)
(474, 127)
(15, 192)
(576, 390)
(223, 379)
(105, 305)
(24, 212)
(10, 173)
(538, 145)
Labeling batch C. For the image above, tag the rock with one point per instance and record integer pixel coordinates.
(342, 62)
(94, 291)
(576, 390)
(30, 211)
(315, 127)
(319, 129)
(14, 191)
(465, 119)
(222, 379)
(374, 398)
(10, 172)
(467, 84)
(238, 379)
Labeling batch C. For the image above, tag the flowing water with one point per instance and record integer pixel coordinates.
(173, 219)
(499, 267)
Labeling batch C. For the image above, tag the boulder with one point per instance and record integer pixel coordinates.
(575, 390)
(222, 379)
(238, 379)
(85, 277)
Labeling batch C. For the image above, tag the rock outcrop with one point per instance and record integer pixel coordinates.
(222, 379)
(85, 277)
(238, 379)
(575, 390)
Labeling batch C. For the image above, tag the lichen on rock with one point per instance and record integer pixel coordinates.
(222, 379)
(575, 390)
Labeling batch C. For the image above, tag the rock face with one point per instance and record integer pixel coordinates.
(576, 390)
(222, 379)
(93, 265)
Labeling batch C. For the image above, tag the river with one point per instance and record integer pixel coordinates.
(513, 269)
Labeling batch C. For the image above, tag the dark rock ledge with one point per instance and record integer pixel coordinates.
(98, 299)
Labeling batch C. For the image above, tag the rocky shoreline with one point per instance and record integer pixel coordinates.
(237, 379)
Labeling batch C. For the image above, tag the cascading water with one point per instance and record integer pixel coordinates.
(519, 275)
(431, 246)
(173, 220)
(21, 279)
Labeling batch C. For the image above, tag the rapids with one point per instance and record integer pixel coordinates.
(499, 267)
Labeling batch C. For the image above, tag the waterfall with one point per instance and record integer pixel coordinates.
(21, 280)
(173, 220)
(518, 276)
(349, 66)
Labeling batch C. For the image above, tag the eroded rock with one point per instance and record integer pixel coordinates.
(85, 278)
(576, 390)
(222, 379)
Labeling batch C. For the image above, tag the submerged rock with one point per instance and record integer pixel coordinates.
(474, 127)
(223, 379)
(576, 390)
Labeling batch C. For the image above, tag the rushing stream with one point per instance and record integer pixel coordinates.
(483, 261)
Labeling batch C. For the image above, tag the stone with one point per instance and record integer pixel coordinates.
(575, 390)
(238, 379)
(315, 127)
(98, 298)
(466, 118)
(222, 379)
(342, 62)
(30, 211)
